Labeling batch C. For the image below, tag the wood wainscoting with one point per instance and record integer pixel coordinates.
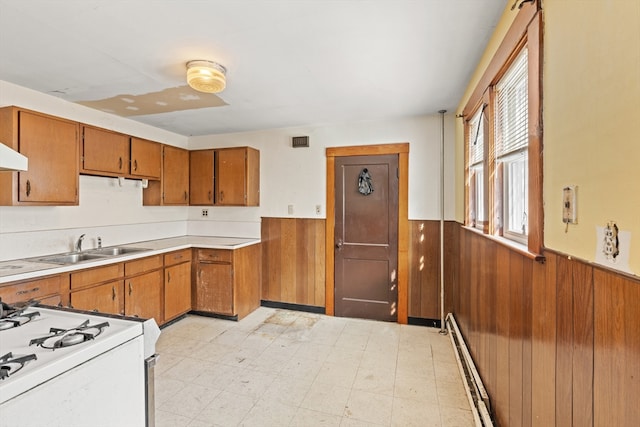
(293, 254)
(556, 344)
(293, 263)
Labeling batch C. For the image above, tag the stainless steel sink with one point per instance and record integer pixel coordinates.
(115, 250)
(89, 255)
(72, 258)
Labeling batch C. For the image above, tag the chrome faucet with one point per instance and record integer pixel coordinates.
(79, 243)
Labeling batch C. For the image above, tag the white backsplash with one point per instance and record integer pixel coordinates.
(113, 212)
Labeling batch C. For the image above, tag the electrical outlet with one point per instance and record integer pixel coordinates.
(205, 212)
(290, 209)
(318, 209)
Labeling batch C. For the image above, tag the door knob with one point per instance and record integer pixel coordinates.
(339, 244)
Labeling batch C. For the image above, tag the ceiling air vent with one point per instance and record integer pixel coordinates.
(300, 141)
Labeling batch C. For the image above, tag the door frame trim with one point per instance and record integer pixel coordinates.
(402, 150)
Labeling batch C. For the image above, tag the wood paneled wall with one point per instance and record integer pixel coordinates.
(424, 266)
(293, 255)
(557, 344)
(293, 263)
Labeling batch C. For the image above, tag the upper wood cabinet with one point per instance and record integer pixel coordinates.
(108, 153)
(51, 146)
(201, 190)
(225, 177)
(145, 158)
(104, 152)
(173, 187)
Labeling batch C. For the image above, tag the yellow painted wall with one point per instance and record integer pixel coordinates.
(591, 116)
(498, 34)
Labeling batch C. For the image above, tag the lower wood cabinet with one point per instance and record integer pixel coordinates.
(51, 290)
(227, 282)
(177, 283)
(105, 298)
(133, 288)
(214, 290)
(143, 288)
(143, 296)
(99, 289)
(163, 287)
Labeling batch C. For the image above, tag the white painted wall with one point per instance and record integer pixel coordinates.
(297, 176)
(288, 177)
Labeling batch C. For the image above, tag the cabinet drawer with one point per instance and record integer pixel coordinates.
(138, 266)
(177, 257)
(34, 289)
(96, 275)
(215, 255)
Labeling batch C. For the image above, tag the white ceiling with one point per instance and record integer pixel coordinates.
(290, 62)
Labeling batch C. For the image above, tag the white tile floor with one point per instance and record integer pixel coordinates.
(288, 368)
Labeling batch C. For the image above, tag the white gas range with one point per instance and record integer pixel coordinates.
(72, 368)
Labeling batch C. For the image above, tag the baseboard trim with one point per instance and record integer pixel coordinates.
(216, 315)
(420, 321)
(296, 307)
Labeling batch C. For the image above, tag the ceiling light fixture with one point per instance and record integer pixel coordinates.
(206, 76)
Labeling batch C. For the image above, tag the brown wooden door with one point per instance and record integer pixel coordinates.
(104, 151)
(201, 177)
(106, 298)
(214, 291)
(177, 290)
(142, 296)
(145, 158)
(51, 145)
(175, 176)
(366, 237)
(231, 176)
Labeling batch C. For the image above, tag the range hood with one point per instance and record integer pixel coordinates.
(11, 160)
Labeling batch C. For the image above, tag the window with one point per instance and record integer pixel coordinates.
(475, 142)
(511, 140)
(503, 164)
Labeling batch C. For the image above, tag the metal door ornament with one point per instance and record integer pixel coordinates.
(365, 186)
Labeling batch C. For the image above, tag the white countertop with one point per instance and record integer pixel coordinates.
(23, 269)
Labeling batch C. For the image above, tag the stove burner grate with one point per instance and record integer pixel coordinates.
(14, 316)
(59, 338)
(9, 364)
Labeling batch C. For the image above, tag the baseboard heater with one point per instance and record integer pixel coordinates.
(477, 394)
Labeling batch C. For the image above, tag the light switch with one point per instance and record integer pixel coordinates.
(290, 209)
(569, 205)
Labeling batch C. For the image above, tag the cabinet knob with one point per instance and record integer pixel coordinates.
(168, 276)
(28, 188)
(120, 163)
(113, 293)
(130, 288)
(135, 165)
(222, 196)
(185, 196)
(209, 195)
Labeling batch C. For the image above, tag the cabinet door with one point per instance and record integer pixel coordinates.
(51, 145)
(177, 290)
(104, 152)
(214, 289)
(201, 177)
(105, 298)
(145, 158)
(143, 297)
(175, 176)
(231, 176)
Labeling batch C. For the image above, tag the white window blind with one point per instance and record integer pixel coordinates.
(476, 138)
(511, 102)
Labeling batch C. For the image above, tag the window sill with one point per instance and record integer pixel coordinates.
(514, 246)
